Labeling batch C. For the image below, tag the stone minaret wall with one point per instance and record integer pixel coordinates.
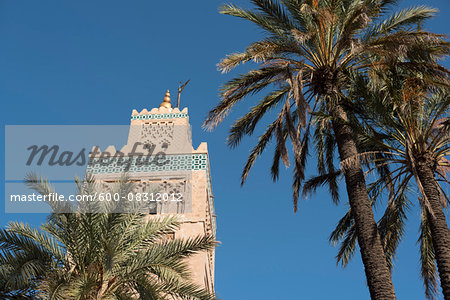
(187, 170)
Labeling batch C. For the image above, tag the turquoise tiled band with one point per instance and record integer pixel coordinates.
(172, 163)
(159, 116)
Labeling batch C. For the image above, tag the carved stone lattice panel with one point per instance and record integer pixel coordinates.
(163, 195)
(163, 134)
(159, 134)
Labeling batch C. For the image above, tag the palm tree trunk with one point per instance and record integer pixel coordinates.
(377, 272)
(440, 233)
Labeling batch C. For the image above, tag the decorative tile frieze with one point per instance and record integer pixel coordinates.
(159, 116)
(153, 164)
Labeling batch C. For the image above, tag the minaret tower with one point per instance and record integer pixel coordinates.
(179, 170)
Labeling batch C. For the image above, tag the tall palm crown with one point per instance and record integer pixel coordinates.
(406, 126)
(311, 51)
(310, 54)
(78, 255)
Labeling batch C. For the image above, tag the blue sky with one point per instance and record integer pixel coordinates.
(86, 62)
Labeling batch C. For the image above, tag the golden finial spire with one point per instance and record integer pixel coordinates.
(166, 101)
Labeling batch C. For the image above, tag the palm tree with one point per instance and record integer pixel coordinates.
(309, 54)
(79, 255)
(407, 139)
